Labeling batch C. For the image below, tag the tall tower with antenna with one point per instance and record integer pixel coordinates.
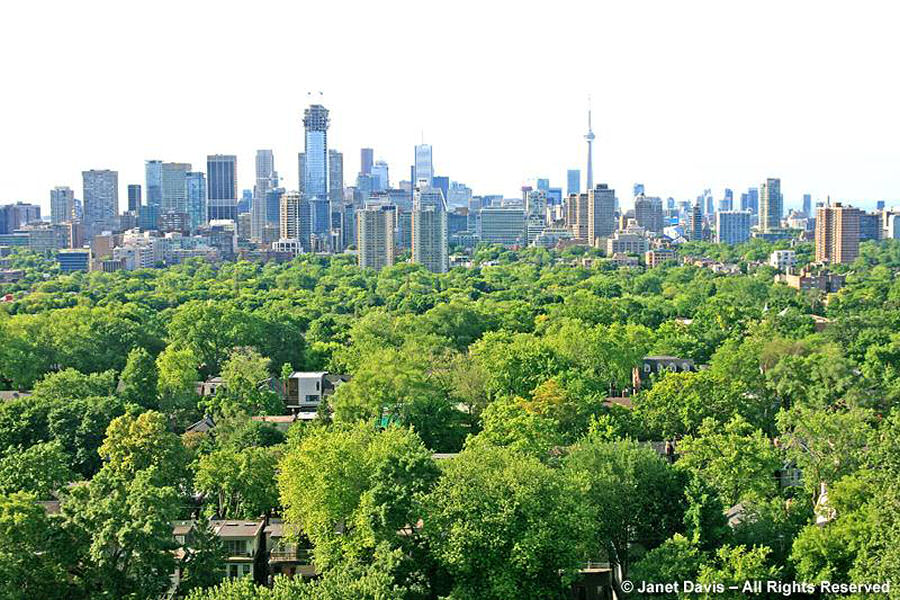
(589, 136)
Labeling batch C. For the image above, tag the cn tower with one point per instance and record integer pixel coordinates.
(589, 136)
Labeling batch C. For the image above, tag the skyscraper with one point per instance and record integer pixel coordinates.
(601, 207)
(429, 229)
(174, 188)
(335, 177)
(101, 199)
(62, 205)
(380, 174)
(153, 181)
(195, 199)
(771, 205)
(695, 224)
(134, 197)
(366, 155)
(727, 202)
(375, 235)
(807, 205)
(221, 172)
(290, 216)
(424, 168)
(648, 212)
(732, 226)
(837, 234)
(573, 182)
(750, 200)
(638, 189)
(266, 179)
(315, 162)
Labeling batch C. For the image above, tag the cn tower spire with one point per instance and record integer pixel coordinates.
(590, 161)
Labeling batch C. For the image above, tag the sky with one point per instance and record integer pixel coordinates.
(686, 95)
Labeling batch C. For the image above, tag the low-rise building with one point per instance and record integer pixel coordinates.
(783, 259)
(626, 243)
(805, 280)
(306, 389)
(658, 256)
(658, 365)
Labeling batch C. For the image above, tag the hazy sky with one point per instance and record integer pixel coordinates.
(686, 95)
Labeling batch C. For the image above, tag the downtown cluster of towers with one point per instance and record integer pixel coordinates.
(424, 215)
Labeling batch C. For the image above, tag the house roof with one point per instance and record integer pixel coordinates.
(236, 528)
(182, 527)
(12, 395)
(307, 374)
(201, 426)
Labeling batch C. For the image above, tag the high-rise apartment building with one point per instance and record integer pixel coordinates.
(573, 182)
(335, 177)
(134, 197)
(195, 199)
(424, 167)
(290, 215)
(375, 235)
(62, 205)
(101, 199)
(221, 175)
(750, 200)
(837, 233)
(381, 181)
(577, 217)
(266, 179)
(771, 205)
(648, 212)
(153, 182)
(366, 156)
(429, 229)
(174, 187)
(601, 218)
(503, 225)
(695, 222)
(315, 152)
(732, 226)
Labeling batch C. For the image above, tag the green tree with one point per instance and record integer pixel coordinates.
(504, 525)
(350, 489)
(40, 470)
(735, 565)
(139, 379)
(35, 559)
(639, 496)
(246, 390)
(177, 383)
(737, 461)
(202, 560)
(675, 560)
(70, 384)
(242, 482)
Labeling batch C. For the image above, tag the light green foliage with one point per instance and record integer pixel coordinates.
(736, 460)
(139, 379)
(40, 470)
(678, 403)
(504, 525)
(350, 489)
(397, 386)
(177, 370)
(242, 482)
(246, 389)
(734, 565)
(638, 496)
(70, 384)
(678, 559)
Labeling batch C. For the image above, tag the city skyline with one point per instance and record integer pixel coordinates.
(658, 113)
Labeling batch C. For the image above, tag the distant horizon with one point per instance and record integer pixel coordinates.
(731, 96)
